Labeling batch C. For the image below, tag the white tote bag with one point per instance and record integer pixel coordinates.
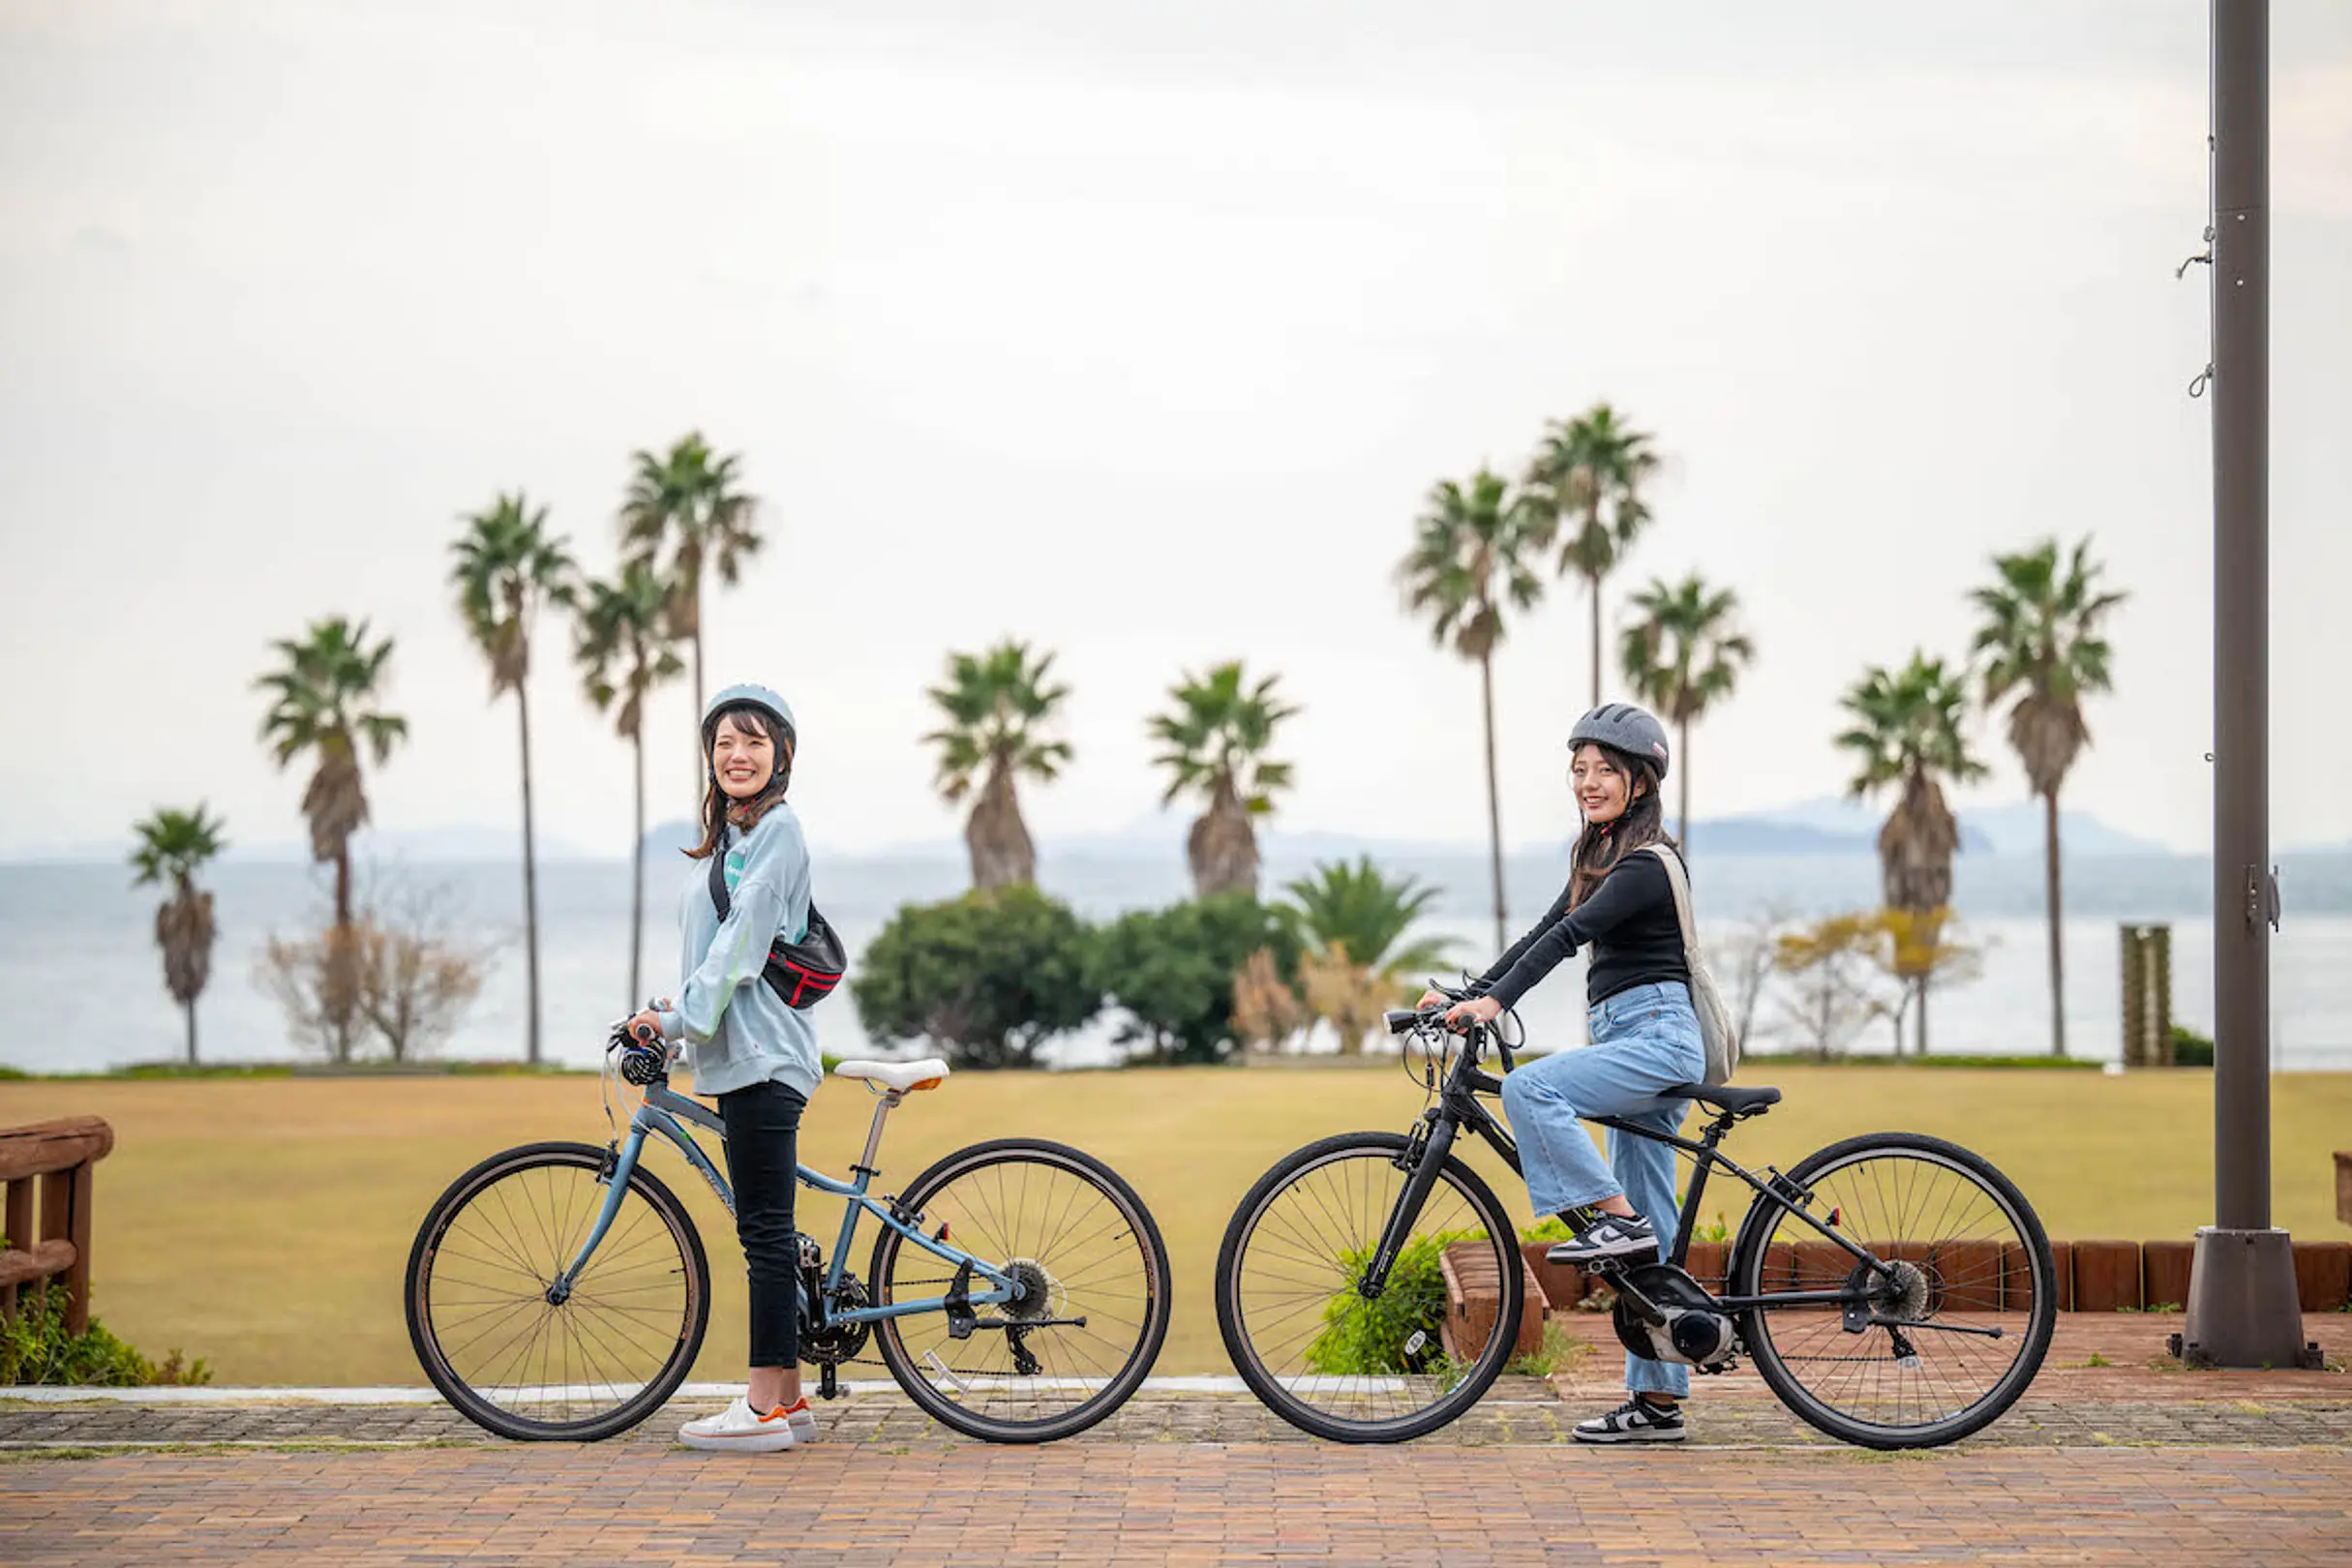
(1714, 1019)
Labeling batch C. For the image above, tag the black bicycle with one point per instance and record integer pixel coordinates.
(1893, 1289)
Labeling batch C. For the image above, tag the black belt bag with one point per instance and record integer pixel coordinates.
(802, 973)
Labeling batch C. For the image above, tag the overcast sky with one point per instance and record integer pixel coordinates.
(1138, 332)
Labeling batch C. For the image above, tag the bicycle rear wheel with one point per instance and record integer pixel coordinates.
(591, 1365)
(1943, 1348)
(1079, 1239)
(1324, 1357)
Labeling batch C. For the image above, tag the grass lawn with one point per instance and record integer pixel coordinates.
(264, 1224)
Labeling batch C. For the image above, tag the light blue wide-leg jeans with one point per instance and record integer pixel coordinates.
(1644, 1039)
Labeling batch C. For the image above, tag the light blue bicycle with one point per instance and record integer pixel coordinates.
(560, 1290)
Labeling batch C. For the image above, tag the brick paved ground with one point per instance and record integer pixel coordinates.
(2127, 1462)
(1121, 1502)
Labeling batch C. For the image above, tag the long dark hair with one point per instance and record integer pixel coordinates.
(717, 807)
(1603, 846)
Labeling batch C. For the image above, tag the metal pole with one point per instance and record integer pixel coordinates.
(2243, 1310)
(2241, 283)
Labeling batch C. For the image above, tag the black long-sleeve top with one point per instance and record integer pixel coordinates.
(1628, 921)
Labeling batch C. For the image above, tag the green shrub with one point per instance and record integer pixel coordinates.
(35, 1350)
(2190, 1048)
(988, 978)
(1368, 1338)
(1173, 969)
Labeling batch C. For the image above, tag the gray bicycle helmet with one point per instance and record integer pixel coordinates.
(1623, 726)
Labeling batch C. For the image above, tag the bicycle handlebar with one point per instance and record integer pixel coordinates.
(1408, 1020)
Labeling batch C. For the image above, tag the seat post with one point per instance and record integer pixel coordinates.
(873, 1133)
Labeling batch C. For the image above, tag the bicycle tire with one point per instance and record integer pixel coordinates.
(627, 1410)
(1748, 1260)
(1270, 1387)
(923, 1193)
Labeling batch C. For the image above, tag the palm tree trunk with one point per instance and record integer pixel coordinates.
(1486, 689)
(192, 1054)
(700, 762)
(2051, 892)
(1918, 1027)
(1683, 810)
(531, 882)
(1595, 578)
(637, 879)
(340, 956)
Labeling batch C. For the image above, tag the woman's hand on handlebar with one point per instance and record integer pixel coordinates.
(1479, 1010)
(1429, 1000)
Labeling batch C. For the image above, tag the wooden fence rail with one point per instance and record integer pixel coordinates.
(51, 1160)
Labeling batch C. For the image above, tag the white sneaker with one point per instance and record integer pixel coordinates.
(743, 1429)
(803, 1421)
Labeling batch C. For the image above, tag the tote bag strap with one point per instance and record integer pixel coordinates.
(1680, 883)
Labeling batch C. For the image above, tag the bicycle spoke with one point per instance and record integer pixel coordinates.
(544, 1361)
(1949, 1237)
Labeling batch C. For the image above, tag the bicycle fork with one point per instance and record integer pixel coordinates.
(1423, 1156)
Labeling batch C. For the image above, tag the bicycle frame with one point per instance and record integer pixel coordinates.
(662, 1111)
(1459, 1105)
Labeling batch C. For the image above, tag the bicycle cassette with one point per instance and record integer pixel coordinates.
(1694, 1333)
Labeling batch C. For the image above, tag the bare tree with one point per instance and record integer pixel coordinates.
(1753, 952)
(1835, 987)
(403, 974)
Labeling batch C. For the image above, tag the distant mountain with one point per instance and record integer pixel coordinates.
(1998, 830)
(1762, 835)
(415, 845)
(2016, 829)
(1162, 838)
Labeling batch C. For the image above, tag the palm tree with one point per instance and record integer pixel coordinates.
(2040, 638)
(1353, 923)
(507, 568)
(1470, 556)
(1906, 732)
(323, 702)
(998, 704)
(1587, 477)
(173, 847)
(1217, 736)
(1681, 658)
(685, 511)
(622, 646)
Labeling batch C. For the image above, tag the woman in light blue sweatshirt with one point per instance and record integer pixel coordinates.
(744, 1044)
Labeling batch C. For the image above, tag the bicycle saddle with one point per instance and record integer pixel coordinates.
(1723, 1096)
(928, 1073)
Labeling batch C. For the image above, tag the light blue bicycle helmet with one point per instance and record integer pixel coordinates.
(754, 696)
(748, 695)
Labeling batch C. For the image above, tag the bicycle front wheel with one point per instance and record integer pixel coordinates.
(530, 1363)
(1091, 1316)
(1324, 1356)
(1939, 1350)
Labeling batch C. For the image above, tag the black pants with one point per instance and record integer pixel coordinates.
(763, 1148)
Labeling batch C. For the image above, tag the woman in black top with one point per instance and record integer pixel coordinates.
(1617, 909)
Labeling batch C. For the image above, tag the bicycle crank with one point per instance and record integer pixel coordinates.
(1664, 1315)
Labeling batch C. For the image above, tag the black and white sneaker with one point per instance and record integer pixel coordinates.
(1606, 1235)
(1636, 1421)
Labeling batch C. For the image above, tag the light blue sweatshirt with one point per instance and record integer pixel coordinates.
(738, 1031)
